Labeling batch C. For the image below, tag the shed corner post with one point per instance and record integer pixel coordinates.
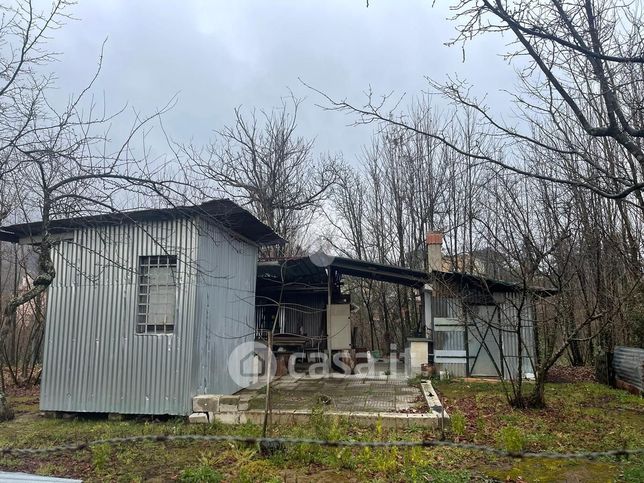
(329, 299)
(427, 310)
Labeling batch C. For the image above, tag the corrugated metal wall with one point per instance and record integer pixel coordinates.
(93, 360)
(449, 345)
(628, 363)
(484, 341)
(449, 336)
(446, 307)
(225, 307)
(510, 341)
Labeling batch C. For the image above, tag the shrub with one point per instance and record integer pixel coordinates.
(101, 456)
(258, 470)
(457, 420)
(201, 474)
(511, 439)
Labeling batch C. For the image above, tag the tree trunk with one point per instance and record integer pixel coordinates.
(538, 396)
(6, 413)
(46, 274)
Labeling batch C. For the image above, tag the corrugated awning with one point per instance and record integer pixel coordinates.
(490, 285)
(313, 270)
(374, 271)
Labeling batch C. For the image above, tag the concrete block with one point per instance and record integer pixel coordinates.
(433, 401)
(205, 403)
(418, 354)
(252, 416)
(229, 400)
(243, 406)
(227, 418)
(228, 403)
(198, 418)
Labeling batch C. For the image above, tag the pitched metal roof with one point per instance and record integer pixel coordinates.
(220, 211)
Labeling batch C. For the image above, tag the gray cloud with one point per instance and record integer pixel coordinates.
(221, 54)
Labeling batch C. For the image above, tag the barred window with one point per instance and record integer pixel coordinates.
(157, 295)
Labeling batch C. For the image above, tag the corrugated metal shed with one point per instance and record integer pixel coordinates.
(628, 364)
(482, 340)
(94, 361)
(222, 212)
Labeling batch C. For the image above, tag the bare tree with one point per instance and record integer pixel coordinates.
(537, 234)
(407, 185)
(579, 70)
(578, 143)
(21, 350)
(569, 290)
(62, 162)
(262, 163)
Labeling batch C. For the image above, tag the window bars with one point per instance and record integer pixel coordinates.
(157, 294)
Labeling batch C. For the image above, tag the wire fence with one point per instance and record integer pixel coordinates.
(279, 442)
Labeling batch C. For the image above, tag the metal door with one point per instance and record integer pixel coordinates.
(484, 342)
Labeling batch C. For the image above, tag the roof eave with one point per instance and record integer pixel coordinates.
(260, 234)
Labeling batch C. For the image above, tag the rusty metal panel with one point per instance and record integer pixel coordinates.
(628, 363)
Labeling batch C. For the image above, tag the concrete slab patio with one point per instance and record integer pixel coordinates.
(363, 399)
(347, 393)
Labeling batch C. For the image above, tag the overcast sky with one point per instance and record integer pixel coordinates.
(217, 55)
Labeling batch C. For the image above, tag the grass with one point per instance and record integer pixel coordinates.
(580, 416)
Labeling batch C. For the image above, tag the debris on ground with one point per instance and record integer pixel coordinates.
(570, 374)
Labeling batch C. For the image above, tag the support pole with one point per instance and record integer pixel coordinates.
(427, 310)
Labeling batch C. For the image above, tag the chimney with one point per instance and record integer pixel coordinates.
(434, 242)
